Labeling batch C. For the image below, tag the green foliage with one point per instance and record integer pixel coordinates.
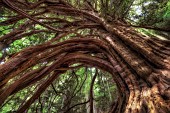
(12, 103)
(74, 85)
(149, 12)
(4, 30)
(155, 13)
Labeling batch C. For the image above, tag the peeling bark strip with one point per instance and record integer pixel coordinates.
(140, 65)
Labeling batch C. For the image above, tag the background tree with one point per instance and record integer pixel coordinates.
(85, 56)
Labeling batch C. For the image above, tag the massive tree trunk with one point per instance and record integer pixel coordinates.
(139, 64)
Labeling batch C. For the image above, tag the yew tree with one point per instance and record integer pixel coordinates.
(129, 39)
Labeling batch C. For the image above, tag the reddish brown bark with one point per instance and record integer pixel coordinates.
(140, 65)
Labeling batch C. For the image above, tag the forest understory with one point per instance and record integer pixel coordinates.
(84, 56)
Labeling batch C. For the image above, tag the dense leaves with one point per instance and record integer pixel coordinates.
(78, 56)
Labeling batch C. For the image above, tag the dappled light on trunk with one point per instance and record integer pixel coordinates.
(82, 56)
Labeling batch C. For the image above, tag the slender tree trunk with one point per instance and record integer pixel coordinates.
(140, 65)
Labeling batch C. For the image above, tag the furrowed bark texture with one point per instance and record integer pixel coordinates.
(140, 65)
